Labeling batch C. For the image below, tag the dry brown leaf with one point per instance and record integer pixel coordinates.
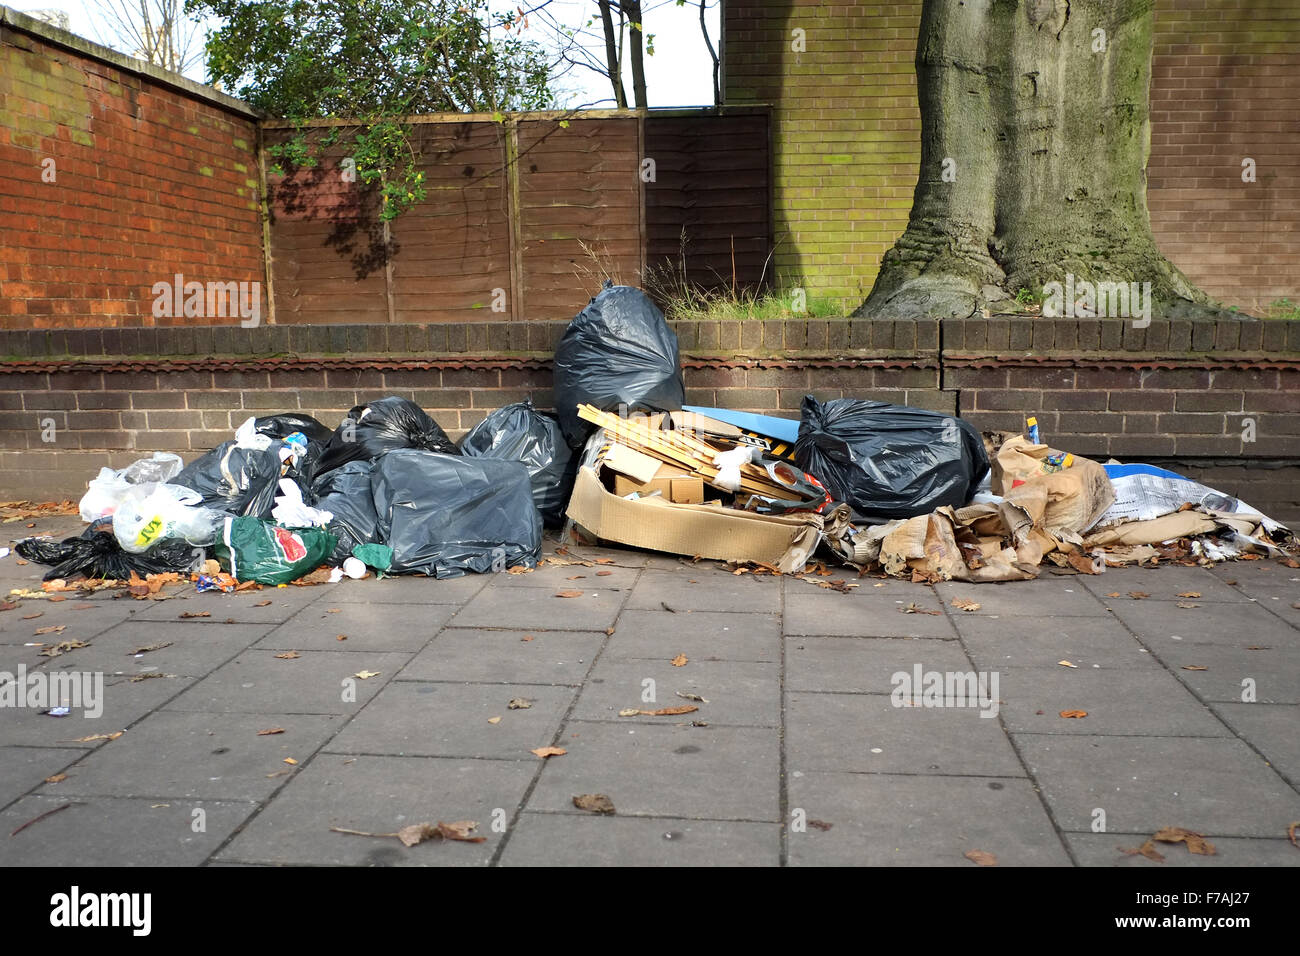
(915, 608)
(8, 605)
(1083, 563)
(594, 803)
(494, 720)
(966, 604)
(569, 594)
(1138, 595)
(32, 617)
(62, 648)
(602, 574)
(270, 731)
(1195, 667)
(526, 638)
(459, 830)
(288, 656)
(57, 778)
(1196, 842)
(1290, 832)
(1074, 713)
(981, 857)
(1067, 664)
(661, 712)
(609, 632)
(519, 703)
(93, 737)
(291, 761)
(680, 660)
(51, 629)
(545, 752)
(1187, 605)
(82, 607)
(575, 577)
(333, 610)
(604, 560)
(695, 697)
(1147, 849)
(366, 675)
(56, 598)
(150, 647)
(1189, 594)
(153, 676)
(262, 603)
(1113, 594)
(187, 615)
(820, 825)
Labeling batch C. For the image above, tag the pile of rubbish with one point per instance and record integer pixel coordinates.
(878, 487)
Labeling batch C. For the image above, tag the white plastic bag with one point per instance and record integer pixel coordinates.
(150, 513)
(109, 487)
(291, 511)
(247, 436)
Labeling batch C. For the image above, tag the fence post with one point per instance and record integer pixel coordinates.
(513, 215)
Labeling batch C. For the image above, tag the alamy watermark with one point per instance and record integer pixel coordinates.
(922, 688)
(51, 690)
(177, 298)
(1109, 300)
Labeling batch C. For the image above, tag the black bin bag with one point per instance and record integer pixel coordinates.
(521, 433)
(375, 428)
(345, 493)
(444, 515)
(617, 351)
(286, 423)
(238, 481)
(889, 461)
(96, 554)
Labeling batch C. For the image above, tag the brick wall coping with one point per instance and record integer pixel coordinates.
(740, 341)
(14, 20)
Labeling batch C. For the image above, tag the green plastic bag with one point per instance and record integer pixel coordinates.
(256, 550)
(377, 556)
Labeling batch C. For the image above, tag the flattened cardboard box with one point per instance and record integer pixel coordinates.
(722, 534)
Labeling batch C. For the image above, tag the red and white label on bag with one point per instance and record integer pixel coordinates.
(290, 545)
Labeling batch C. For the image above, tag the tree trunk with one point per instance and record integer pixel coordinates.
(1035, 134)
(611, 54)
(633, 10)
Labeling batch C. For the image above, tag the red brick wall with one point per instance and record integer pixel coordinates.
(148, 182)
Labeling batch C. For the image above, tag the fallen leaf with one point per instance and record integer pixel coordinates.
(1187, 605)
(1196, 842)
(51, 629)
(269, 731)
(1074, 713)
(609, 632)
(187, 615)
(661, 712)
(820, 825)
(1113, 594)
(291, 761)
(262, 603)
(366, 675)
(152, 676)
(494, 720)
(278, 773)
(460, 830)
(57, 778)
(82, 607)
(55, 598)
(679, 661)
(594, 802)
(966, 604)
(149, 647)
(575, 577)
(1290, 832)
(981, 857)
(8, 605)
(569, 594)
(914, 608)
(691, 697)
(1083, 563)
(93, 737)
(519, 703)
(340, 637)
(1067, 664)
(604, 560)
(602, 574)
(32, 617)
(288, 656)
(1195, 667)
(62, 648)
(1189, 594)
(526, 638)
(545, 752)
(1138, 595)
(1147, 849)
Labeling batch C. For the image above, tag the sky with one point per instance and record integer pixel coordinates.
(679, 73)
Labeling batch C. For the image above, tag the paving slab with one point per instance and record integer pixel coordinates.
(865, 665)
(1116, 702)
(406, 628)
(1048, 596)
(610, 576)
(879, 593)
(866, 733)
(124, 703)
(595, 610)
(1271, 675)
(712, 590)
(17, 627)
(700, 635)
(1095, 642)
(1103, 849)
(195, 649)
(451, 720)
(1272, 729)
(567, 839)
(738, 693)
(1210, 785)
(1167, 583)
(243, 607)
(1158, 622)
(382, 795)
(117, 831)
(902, 820)
(817, 612)
(718, 773)
(482, 655)
(199, 756)
(408, 589)
(256, 682)
(23, 768)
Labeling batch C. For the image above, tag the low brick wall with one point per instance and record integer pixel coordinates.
(1218, 400)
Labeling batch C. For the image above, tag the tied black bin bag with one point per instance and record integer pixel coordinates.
(521, 433)
(96, 554)
(345, 493)
(238, 481)
(889, 461)
(444, 515)
(286, 423)
(378, 427)
(617, 351)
